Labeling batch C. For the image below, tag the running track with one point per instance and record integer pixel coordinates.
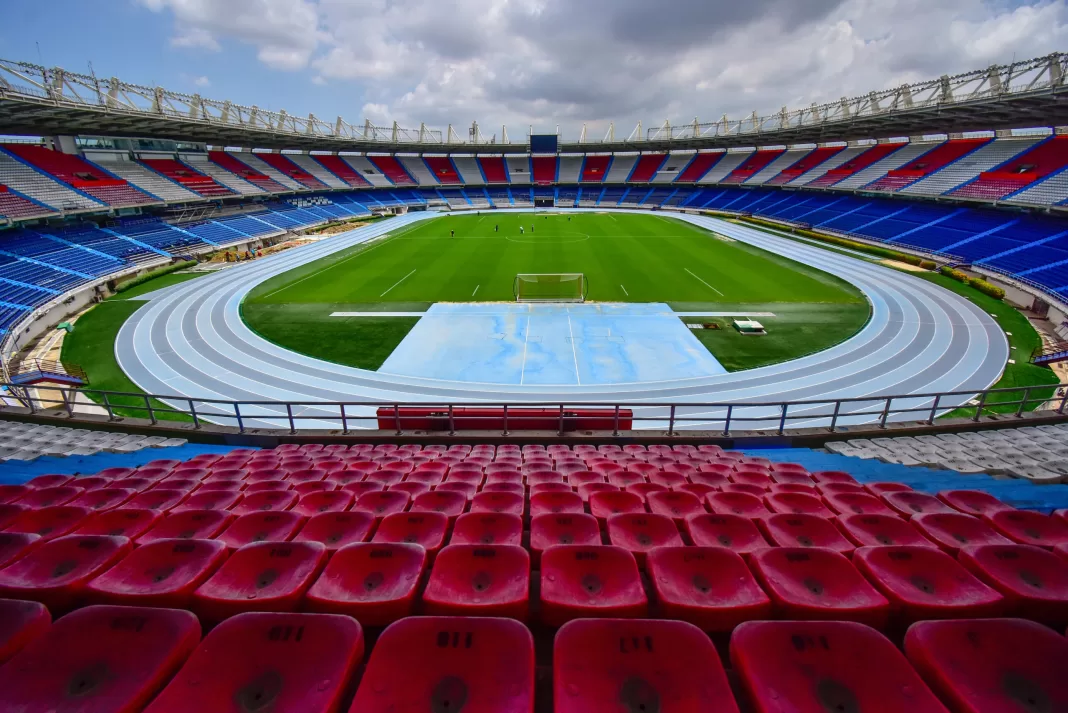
(189, 341)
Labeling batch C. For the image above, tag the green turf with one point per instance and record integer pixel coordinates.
(625, 258)
(157, 284)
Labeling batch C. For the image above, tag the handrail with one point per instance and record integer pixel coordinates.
(726, 418)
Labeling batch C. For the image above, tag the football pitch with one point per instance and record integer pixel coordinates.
(624, 257)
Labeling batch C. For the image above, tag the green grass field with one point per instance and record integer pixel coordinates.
(625, 258)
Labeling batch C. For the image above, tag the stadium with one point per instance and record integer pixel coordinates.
(761, 414)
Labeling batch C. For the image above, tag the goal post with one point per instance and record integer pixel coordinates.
(551, 287)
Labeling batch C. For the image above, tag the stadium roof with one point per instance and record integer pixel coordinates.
(37, 101)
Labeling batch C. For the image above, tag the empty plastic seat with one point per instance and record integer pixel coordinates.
(266, 576)
(640, 532)
(382, 503)
(825, 666)
(991, 665)
(710, 587)
(836, 488)
(797, 504)
(759, 478)
(161, 499)
(11, 493)
(498, 502)
(450, 664)
(625, 479)
(923, 583)
(91, 482)
(579, 582)
(9, 512)
(602, 665)
(49, 522)
(164, 573)
(883, 488)
(815, 583)
(56, 572)
(375, 583)
(804, 531)
(20, 623)
(447, 502)
(50, 480)
(129, 523)
(426, 529)
(1029, 528)
(209, 500)
(14, 545)
(874, 530)
(101, 658)
(746, 489)
(556, 503)
(733, 532)
(337, 529)
(480, 580)
(329, 501)
(479, 528)
(188, 525)
(266, 500)
(261, 527)
(972, 502)
(1033, 581)
(912, 502)
(676, 504)
(282, 663)
(953, 530)
(833, 476)
(50, 497)
(859, 503)
(573, 529)
(360, 489)
(588, 490)
(743, 504)
(606, 504)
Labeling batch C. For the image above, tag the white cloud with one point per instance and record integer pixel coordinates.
(193, 37)
(202, 82)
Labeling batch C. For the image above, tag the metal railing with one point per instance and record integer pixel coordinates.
(720, 418)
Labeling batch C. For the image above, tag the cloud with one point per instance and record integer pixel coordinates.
(202, 82)
(549, 62)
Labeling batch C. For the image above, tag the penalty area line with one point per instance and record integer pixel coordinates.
(701, 281)
(624, 290)
(476, 290)
(397, 283)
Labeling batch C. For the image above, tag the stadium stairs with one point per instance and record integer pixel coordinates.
(534, 578)
(80, 175)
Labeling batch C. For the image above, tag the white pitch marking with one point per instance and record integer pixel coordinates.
(398, 282)
(476, 290)
(624, 290)
(523, 368)
(574, 352)
(704, 283)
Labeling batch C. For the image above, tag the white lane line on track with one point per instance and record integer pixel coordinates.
(397, 283)
(703, 282)
(476, 290)
(624, 290)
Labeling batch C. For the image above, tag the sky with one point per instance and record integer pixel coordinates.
(545, 63)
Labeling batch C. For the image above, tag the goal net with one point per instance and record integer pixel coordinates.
(551, 287)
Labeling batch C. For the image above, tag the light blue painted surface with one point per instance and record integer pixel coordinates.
(544, 344)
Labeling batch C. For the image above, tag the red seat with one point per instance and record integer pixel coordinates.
(224, 485)
(813, 583)
(857, 504)
(276, 663)
(712, 480)
(644, 490)
(100, 658)
(50, 522)
(517, 488)
(502, 503)
(470, 665)
(209, 500)
(544, 477)
(20, 623)
(50, 497)
(1029, 528)
(188, 525)
(337, 529)
(426, 529)
(385, 477)
(579, 582)
(625, 479)
(480, 580)
(261, 527)
(667, 479)
(479, 528)
(883, 488)
(912, 502)
(447, 502)
(923, 583)
(640, 532)
(706, 586)
(825, 667)
(991, 665)
(804, 531)
(161, 499)
(759, 478)
(11, 493)
(746, 489)
(874, 530)
(675, 504)
(375, 583)
(789, 477)
(329, 501)
(588, 490)
(733, 532)
(570, 529)
(833, 476)
(555, 503)
(9, 512)
(56, 572)
(318, 486)
(608, 665)
(382, 503)
(14, 545)
(91, 482)
(119, 523)
(604, 505)
(742, 504)
(953, 530)
(266, 576)
(1033, 581)
(972, 502)
(358, 490)
(164, 573)
(839, 488)
(797, 504)
(266, 500)
(50, 481)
